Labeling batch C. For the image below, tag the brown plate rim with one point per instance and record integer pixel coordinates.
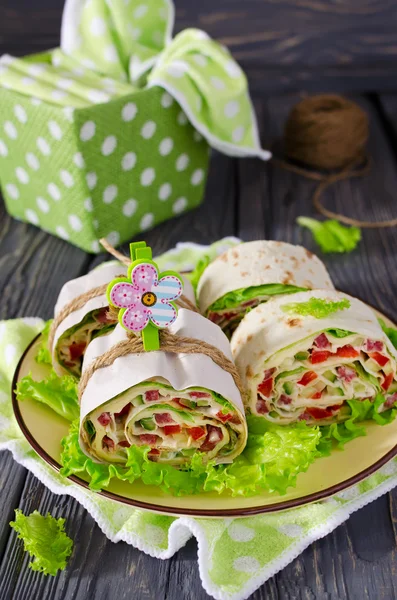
(234, 512)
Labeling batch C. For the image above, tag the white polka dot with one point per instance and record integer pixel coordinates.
(146, 221)
(68, 111)
(197, 136)
(75, 222)
(32, 216)
(197, 177)
(67, 178)
(35, 101)
(95, 223)
(290, 529)
(7, 59)
(3, 149)
(9, 353)
(79, 160)
(109, 145)
(54, 191)
(199, 104)
(43, 204)
(89, 64)
(110, 53)
(98, 96)
(177, 69)
(110, 193)
(179, 206)
(64, 83)
(129, 111)
(87, 131)
(246, 564)
(232, 69)
(240, 533)
(108, 83)
(28, 81)
(56, 60)
(148, 176)
(158, 37)
(3, 70)
(140, 11)
(10, 130)
(20, 113)
(163, 13)
(95, 246)
(43, 146)
(12, 191)
(79, 71)
(166, 146)
(97, 26)
(238, 134)
(200, 60)
(130, 207)
(58, 94)
(22, 175)
(200, 35)
(91, 179)
(165, 191)
(32, 161)
(166, 100)
(182, 118)
(55, 130)
(182, 162)
(134, 32)
(61, 231)
(113, 238)
(36, 70)
(129, 161)
(217, 83)
(88, 205)
(148, 130)
(232, 108)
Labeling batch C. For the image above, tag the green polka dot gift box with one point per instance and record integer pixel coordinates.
(109, 134)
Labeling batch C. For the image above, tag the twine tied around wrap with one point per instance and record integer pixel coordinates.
(328, 133)
(168, 343)
(80, 301)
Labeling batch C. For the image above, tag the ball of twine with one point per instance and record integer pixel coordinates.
(328, 133)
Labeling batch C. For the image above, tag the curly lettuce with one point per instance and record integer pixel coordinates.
(43, 355)
(59, 393)
(45, 540)
(391, 332)
(238, 297)
(316, 307)
(331, 235)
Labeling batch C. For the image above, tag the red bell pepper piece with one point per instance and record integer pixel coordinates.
(307, 378)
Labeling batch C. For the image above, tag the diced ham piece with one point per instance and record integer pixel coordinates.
(215, 318)
(373, 346)
(321, 341)
(268, 373)
(124, 411)
(391, 400)
(214, 436)
(197, 432)
(154, 452)
(319, 356)
(163, 418)
(104, 419)
(347, 352)
(199, 395)
(77, 350)
(148, 439)
(103, 316)
(124, 444)
(171, 429)
(381, 359)
(107, 442)
(284, 399)
(304, 417)
(346, 373)
(261, 406)
(152, 395)
(387, 381)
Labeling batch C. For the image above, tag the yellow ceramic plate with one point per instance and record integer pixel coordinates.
(44, 429)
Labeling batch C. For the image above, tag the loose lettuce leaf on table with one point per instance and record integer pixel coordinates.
(45, 539)
(59, 393)
(331, 235)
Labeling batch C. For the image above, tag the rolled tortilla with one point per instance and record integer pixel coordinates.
(251, 273)
(298, 367)
(178, 404)
(93, 319)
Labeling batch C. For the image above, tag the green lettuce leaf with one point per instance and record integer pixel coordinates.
(339, 333)
(59, 393)
(391, 332)
(316, 307)
(237, 297)
(331, 235)
(198, 270)
(45, 540)
(43, 354)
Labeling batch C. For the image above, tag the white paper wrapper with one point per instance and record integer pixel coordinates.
(76, 287)
(180, 370)
(267, 329)
(258, 263)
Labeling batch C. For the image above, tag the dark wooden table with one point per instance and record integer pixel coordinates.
(252, 200)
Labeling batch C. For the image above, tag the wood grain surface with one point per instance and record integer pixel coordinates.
(285, 45)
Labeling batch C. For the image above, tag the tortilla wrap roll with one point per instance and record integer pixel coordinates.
(252, 273)
(73, 333)
(297, 366)
(175, 403)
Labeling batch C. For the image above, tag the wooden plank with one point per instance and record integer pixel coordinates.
(12, 477)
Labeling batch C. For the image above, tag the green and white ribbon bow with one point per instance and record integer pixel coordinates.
(112, 47)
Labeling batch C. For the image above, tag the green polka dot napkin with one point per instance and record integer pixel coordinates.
(108, 135)
(235, 555)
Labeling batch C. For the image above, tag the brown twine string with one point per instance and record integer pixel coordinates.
(168, 343)
(329, 133)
